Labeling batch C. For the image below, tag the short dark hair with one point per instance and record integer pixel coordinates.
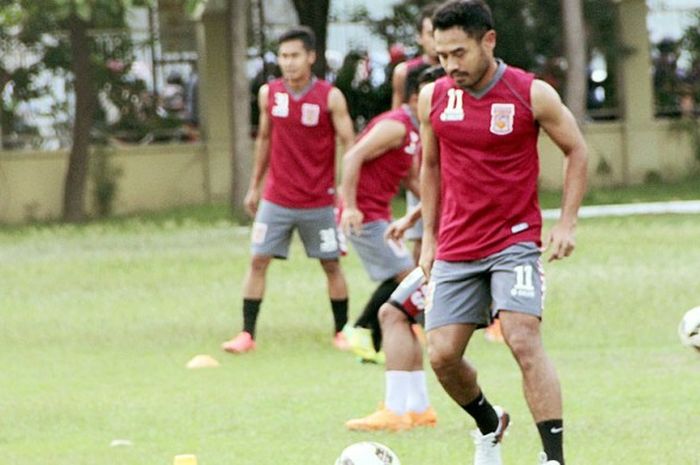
(303, 33)
(431, 74)
(426, 12)
(412, 79)
(472, 16)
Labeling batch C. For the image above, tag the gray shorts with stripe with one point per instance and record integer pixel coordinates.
(473, 292)
(382, 259)
(274, 225)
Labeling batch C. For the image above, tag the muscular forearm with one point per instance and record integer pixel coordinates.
(351, 175)
(414, 214)
(262, 158)
(430, 189)
(575, 179)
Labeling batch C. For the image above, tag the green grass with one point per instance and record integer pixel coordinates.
(98, 321)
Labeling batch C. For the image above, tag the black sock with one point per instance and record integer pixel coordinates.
(552, 434)
(251, 307)
(370, 315)
(483, 413)
(340, 313)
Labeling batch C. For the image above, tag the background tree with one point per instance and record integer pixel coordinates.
(72, 48)
(576, 57)
(240, 121)
(529, 36)
(314, 14)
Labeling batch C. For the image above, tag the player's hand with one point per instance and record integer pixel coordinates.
(561, 240)
(397, 229)
(250, 203)
(351, 221)
(427, 256)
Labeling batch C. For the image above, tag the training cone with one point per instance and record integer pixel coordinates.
(187, 459)
(202, 361)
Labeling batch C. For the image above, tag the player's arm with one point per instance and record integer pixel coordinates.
(385, 135)
(340, 117)
(429, 180)
(398, 85)
(398, 228)
(556, 119)
(262, 154)
(412, 180)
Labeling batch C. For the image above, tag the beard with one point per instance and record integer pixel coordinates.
(469, 79)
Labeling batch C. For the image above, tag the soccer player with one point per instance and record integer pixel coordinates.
(479, 129)
(373, 170)
(424, 38)
(406, 403)
(300, 117)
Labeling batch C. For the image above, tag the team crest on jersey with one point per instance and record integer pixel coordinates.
(454, 111)
(281, 107)
(412, 146)
(310, 113)
(502, 116)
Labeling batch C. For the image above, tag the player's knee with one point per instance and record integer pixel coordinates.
(331, 267)
(443, 359)
(525, 347)
(259, 263)
(390, 315)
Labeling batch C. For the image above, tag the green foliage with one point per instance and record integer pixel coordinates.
(111, 59)
(529, 34)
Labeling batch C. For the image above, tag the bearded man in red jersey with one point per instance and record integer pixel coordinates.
(482, 221)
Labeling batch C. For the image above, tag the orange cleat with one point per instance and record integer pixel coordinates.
(381, 420)
(426, 418)
(240, 344)
(493, 331)
(340, 342)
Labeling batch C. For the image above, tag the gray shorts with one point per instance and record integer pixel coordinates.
(382, 259)
(415, 232)
(274, 224)
(473, 292)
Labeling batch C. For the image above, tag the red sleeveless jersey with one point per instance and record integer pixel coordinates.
(302, 147)
(380, 177)
(489, 166)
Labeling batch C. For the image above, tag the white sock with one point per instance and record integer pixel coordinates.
(417, 399)
(396, 393)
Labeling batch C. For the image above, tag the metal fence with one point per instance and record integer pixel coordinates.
(165, 73)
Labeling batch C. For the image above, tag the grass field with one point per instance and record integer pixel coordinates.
(98, 321)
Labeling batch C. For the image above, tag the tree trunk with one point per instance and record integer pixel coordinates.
(76, 177)
(576, 53)
(241, 146)
(314, 14)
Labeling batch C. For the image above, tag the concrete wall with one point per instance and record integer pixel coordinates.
(152, 178)
(668, 153)
(162, 176)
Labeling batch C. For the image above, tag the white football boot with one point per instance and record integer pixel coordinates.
(488, 446)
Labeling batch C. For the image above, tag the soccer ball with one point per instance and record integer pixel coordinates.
(689, 328)
(367, 453)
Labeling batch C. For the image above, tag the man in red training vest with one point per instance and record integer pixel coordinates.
(482, 220)
(300, 117)
(373, 170)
